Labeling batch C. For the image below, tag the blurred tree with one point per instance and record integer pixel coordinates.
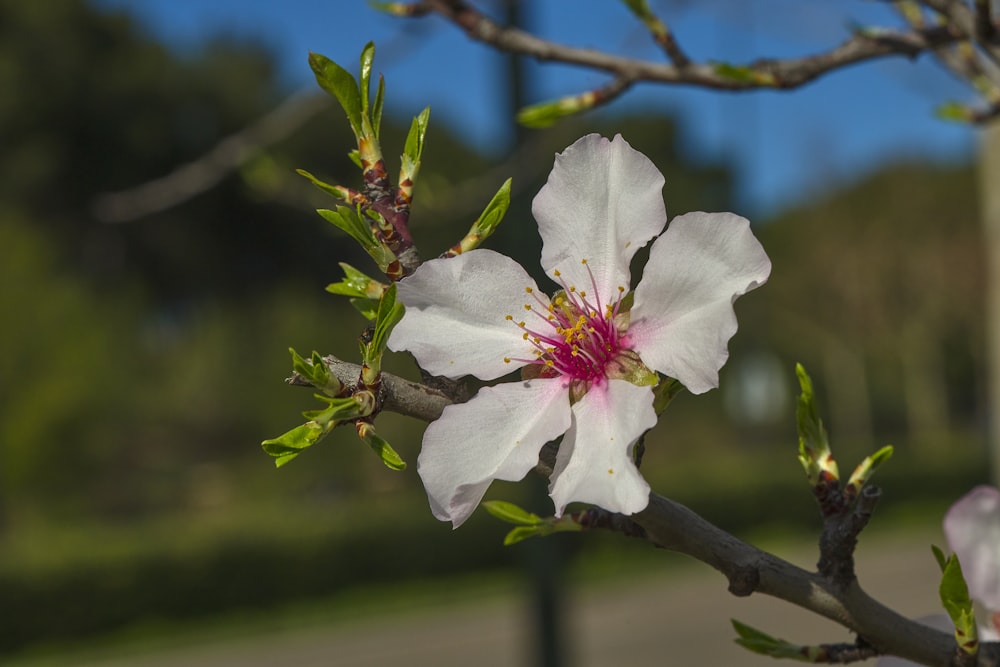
(159, 345)
(882, 284)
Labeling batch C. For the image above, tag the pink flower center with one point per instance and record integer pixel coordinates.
(574, 335)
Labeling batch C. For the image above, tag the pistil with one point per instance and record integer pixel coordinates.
(577, 337)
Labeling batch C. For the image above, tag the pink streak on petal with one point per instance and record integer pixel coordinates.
(683, 315)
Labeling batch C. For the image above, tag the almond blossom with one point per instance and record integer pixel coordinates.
(589, 361)
(972, 529)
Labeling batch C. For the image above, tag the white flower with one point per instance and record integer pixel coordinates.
(481, 314)
(972, 529)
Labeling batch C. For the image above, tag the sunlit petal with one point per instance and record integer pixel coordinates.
(595, 464)
(602, 202)
(972, 527)
(455, 315)
(683, 315)
(496, 435)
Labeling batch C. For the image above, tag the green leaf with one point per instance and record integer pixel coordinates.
(545, 114)
(939, 556)
(764, 644)
(367, 307)
(403, 9)
(511, 513)
(356, 284)
(333, 190)
(867, 468)
(743, 74)
(367, 57)
(346, 408)
(486, 223)
(338, 82)
(377, 107)
(315, 371)
(740, 73)
(528, 524)
(414, 147)
(522, 533)
(954, 111)
(290, 444)
(814, 446)
(956, 601)
(665, 392)
(494, 211)
(638, 7)
(381, 447)
(389, 313)
(349, 220)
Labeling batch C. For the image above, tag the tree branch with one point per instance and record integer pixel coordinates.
(206, 171)
(766, 73)
(670, 525)
(399, 395)
(959, 22)
(750, 570)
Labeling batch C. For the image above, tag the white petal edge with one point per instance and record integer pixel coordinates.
(455, 321)
(972, 527)
(496, 435)
(594, 464)
(602, 202)
(683, 317)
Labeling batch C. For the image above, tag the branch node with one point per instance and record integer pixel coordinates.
(744, 580)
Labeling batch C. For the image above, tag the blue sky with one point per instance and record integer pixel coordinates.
(785, 146)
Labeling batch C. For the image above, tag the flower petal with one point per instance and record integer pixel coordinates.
(496, 435)
(683, 315)
(972, 527)
(603, 201)
(594, 464)
(455, 315)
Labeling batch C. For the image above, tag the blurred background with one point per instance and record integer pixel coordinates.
(148, 306)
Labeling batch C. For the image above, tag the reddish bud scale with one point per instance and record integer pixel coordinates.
(404, 195)
(353, 197)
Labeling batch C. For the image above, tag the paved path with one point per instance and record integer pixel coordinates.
(679, 619)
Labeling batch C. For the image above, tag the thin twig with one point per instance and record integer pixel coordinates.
(766, 73)
(670, 525)
(207, 170)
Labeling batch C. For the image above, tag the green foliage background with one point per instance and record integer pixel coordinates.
(142, 363)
